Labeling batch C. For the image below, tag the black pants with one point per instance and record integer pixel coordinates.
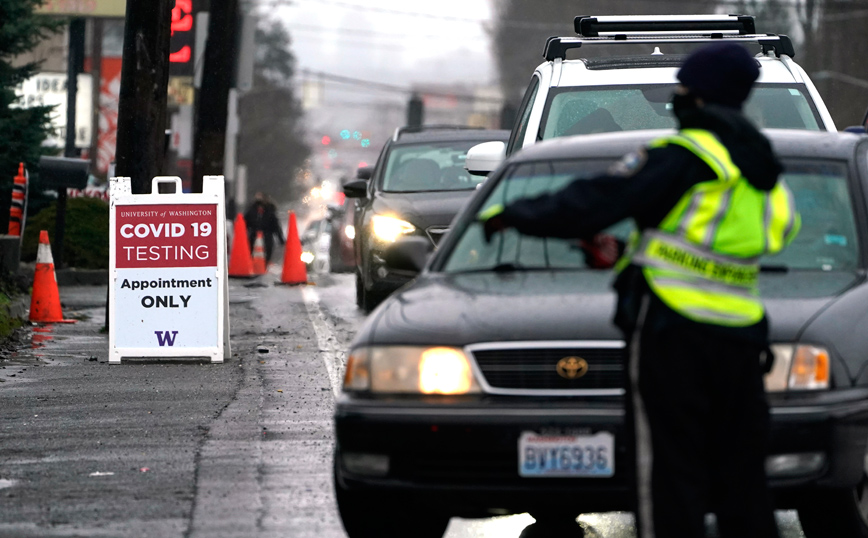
(268, 241)
(702, 393)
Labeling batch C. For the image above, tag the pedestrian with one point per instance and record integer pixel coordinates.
(707, 204)
(261, 216)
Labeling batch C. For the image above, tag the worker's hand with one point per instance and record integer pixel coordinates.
(492, 221)
(601, 251)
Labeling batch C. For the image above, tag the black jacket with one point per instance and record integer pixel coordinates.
(645, 186)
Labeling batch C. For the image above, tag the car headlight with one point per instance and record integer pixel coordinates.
(798, 367)
(410, 370)
(388, 229)
(350, 231)
(307, 256)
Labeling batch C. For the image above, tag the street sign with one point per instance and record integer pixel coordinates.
(83, 8)
(49, 89)
(168, 291)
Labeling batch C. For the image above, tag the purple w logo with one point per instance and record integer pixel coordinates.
(163, 337)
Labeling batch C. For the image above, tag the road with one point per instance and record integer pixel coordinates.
(189, 449)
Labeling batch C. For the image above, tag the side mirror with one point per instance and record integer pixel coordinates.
(365, 173)
(408, 254)
(483, 158)
(356, 189)
(858, 129)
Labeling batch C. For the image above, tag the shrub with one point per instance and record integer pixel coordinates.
(86, 236)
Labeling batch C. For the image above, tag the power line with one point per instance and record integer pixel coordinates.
(354, 34)
(430, 16)
(405, 90)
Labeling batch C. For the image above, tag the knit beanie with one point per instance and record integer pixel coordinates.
(721, 73)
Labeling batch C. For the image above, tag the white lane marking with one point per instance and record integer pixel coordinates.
(6, 483)
(333, 357)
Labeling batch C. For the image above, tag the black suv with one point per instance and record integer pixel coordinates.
(416, 188)
(458, 387)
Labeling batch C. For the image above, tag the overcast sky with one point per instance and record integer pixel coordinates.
(392, 40)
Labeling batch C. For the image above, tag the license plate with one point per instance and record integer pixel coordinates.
(566, 455)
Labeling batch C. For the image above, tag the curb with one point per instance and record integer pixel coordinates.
(18, 307)
(70, 276)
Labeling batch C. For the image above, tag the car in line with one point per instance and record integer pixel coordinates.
(626, 77)
(458, 385)
(343, 232)
(415, 189)
(315, 245)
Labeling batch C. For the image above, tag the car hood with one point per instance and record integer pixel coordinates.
(461, 309)
(422, 209)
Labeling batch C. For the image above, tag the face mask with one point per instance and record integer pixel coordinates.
(682, 104)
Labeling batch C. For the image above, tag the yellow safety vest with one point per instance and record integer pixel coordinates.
(703, 259)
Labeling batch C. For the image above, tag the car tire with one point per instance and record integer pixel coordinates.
(360, 291)
(371, 299)
(369, 515)
(837, 512)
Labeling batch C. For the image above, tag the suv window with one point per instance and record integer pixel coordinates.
(429, 167)
(517, 136)
(828, 239)
(602, 109)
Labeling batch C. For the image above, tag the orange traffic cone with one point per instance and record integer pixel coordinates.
(240, 263)
(19, 195)
(45, 299)
(259, 266)
(294, 271)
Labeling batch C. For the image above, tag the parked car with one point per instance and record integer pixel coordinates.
(343, 232)
(630, 87)
(415, 189)
(454, 381)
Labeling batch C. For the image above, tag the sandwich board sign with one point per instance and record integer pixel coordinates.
(168, 289)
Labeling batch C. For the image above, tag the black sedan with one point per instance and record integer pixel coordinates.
(416, 188)
(461, 386)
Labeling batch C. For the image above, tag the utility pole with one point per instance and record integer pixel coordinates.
(212, 101)
(143, 93)
(415, 111)
(74, 66)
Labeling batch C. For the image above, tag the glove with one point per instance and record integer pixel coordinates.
(492, 221)
(602, 251)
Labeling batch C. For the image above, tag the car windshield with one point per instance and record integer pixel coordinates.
(827, 241)
(595, 109)
(430, 167)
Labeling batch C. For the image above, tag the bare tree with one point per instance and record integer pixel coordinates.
(522, 26)
(271, 141)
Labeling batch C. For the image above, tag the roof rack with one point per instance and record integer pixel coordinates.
(664, 24)
(666, 29)
(434, 127)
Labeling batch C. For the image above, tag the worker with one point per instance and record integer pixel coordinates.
(261, 216)
(707, 204)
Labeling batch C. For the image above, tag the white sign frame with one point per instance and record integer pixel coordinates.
(213, 193)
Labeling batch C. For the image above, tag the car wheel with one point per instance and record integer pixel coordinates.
(367, 515)
(360, 291)
(371, 299)
(839, 512)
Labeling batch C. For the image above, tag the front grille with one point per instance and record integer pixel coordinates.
(436, 233)
(536, 368)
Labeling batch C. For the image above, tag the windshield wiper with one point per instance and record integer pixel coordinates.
(774, 269)
(507, 268)
(501, 268)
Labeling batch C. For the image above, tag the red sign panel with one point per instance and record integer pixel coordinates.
(166, 236)
(181, 42)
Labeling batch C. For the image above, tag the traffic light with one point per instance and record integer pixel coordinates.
(415, 111)
(326, 140)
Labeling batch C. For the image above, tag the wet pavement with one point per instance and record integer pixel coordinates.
(191, 449)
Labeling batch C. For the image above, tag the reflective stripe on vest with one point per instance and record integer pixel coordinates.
(702, 261)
